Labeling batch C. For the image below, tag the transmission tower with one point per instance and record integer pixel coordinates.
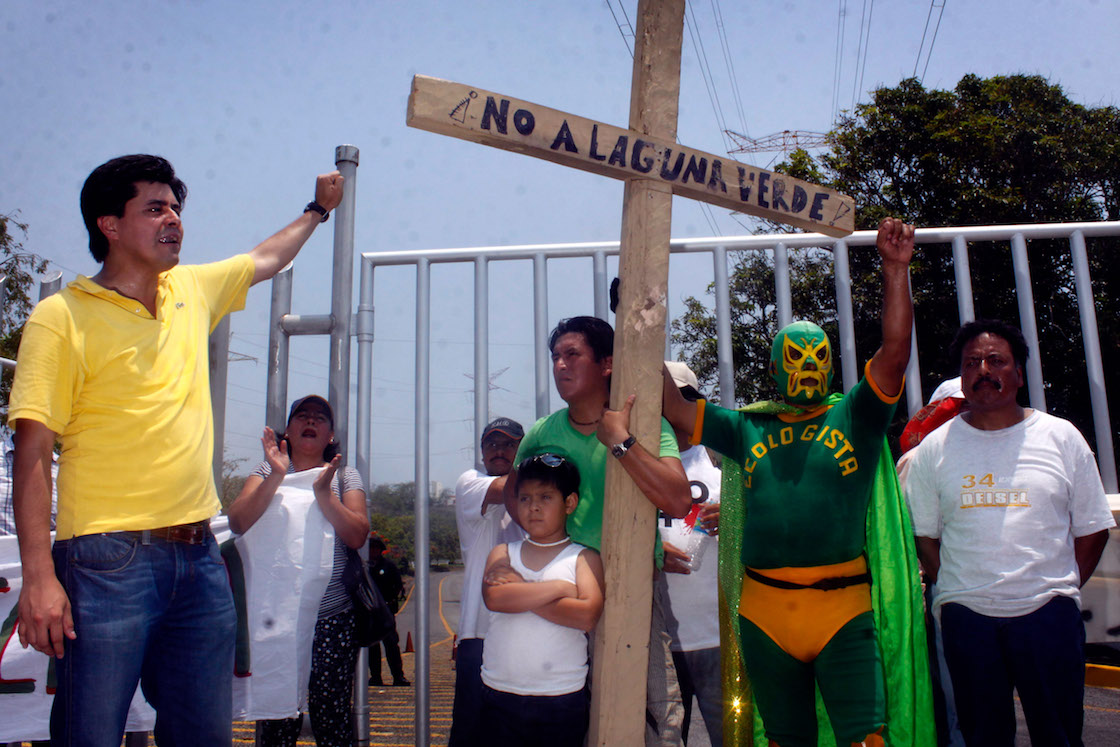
(784, 141)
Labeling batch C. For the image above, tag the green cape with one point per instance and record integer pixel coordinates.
(896, 601)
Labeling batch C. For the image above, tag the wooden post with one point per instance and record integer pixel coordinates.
(618, 701)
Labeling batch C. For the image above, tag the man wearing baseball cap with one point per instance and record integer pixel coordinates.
(483, 523)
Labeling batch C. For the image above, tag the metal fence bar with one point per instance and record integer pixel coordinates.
(540, 332)
(1094, 367)
(724, 353)
(423, 735)
(276, 385)
(599, 278)
(481, 354)
(845, 318)
(1025, 295)
(782, 295)
(342, 291)
(964, 279)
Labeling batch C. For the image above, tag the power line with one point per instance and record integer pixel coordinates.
(932, 4)
(728, 61)
(841, 14)
(866, 44)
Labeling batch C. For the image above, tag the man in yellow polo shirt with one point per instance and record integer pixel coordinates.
(115, 367)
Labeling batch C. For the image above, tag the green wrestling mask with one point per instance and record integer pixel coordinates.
(801, 363)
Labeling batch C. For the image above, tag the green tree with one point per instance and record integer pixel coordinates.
(19, 267)
(1006, 149)
(392, 515)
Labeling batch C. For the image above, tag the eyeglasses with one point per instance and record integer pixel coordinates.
(548, 460)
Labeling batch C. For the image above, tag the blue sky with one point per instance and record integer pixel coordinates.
(249, 99)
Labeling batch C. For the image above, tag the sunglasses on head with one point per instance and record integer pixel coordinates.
(548, 460)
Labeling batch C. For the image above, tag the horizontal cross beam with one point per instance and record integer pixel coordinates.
(492, 119)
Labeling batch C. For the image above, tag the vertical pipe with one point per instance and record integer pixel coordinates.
(782, 294)
(364, 333)
(724, 354)
(342, 291)
(599, 280)
(1025, 294)
(1090, 337)
(845, 317)
(481, 355)
(423, 562)
(50, 285)
(964, 280)
(276, 386)
(219, 376)
(540, 328)
(363, 452)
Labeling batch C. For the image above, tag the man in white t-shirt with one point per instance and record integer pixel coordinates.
(483, 523)
(691, 564)
(1011, 519)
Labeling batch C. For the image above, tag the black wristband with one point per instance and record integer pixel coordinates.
(316, 207)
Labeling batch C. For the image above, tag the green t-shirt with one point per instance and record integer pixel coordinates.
(806, 482)
(555, 434)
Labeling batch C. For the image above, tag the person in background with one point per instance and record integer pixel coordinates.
(306, 458)
(483, 523)
(388, 579)
(693, 584)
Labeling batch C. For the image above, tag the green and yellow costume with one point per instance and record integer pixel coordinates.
(823, 502)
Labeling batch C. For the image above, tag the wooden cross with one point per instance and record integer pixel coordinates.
(654, 168)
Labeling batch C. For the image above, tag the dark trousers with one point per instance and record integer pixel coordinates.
(465, 713)
(392, 646)
(1042, 655)
(510, 720)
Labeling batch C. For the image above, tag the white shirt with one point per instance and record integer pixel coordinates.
(479, 533)
(1006, 505)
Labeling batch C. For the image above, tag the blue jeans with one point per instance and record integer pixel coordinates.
(160, 614)
(1041, 654)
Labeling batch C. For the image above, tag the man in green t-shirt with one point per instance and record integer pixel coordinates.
(805, 613)
(586, 432)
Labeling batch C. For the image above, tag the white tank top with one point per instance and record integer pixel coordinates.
(525, 654)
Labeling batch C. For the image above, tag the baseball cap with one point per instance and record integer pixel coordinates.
(506, 427)
(312, 399)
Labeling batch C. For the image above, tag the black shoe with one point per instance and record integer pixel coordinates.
(401, 682)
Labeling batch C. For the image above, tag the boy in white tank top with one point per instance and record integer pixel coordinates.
(534, 660)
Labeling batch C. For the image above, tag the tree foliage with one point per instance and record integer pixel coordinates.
(1006, 149)
(19, 267)
(392, 515)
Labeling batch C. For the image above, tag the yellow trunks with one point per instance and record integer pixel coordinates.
(803, 621)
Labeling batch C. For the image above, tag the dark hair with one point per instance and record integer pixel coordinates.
(598, 334)
(971, 330)
(113, 183)
(376, 542)
(550, 469)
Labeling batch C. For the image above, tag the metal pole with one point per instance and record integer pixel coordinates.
(342, 291)
(540, 328)
(50, 284)
(782, 294)
(964, 280)
(481, 354)
(1025, 294)
(219, 376)
(845, 317)
(602, 287)
(363, 326)
(276, 386)
(423, 562)
(724, 354)
(1106, 459)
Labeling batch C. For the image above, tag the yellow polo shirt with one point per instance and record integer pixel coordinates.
(129, 396)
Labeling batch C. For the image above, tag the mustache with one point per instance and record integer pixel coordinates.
(994, 382)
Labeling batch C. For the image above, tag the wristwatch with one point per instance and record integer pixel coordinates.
(317, 208)
(619, 450)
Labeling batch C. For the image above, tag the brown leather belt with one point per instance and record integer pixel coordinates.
(188, 534)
